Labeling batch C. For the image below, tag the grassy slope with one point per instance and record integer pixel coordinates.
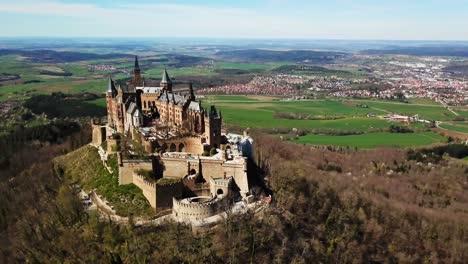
(85, 167)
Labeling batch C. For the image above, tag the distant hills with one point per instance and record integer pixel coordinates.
(263, 55)
(452, 51)
(51, 56)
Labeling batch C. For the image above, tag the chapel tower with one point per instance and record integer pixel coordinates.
(137, 74)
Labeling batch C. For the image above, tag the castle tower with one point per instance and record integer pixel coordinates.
(110, 95)
(137, 74)
(192, 94)
(166, 82)
(213, 122)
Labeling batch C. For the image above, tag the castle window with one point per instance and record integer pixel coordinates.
(144, 104)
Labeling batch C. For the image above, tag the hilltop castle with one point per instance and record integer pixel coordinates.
(166, 115)
(176, 134)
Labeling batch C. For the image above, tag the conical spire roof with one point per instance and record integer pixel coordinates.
(137, 65)
(165, 77)
(110, 86)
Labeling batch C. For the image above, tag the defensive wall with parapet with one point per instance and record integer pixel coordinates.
(196, 211)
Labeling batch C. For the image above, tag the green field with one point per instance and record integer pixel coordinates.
(424, 101)
(246, 112)
(462, 113)
(458, 127)
(261, 115)
(372, 140)
(423, 108)
(229, 98)
(430, 112)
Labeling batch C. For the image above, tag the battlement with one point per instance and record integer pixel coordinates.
(196, 208)
(141, 180)
(196, 205)
(221, 182)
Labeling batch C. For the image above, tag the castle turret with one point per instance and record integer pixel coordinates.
(166, 82)
(137, 74)
(213, 127)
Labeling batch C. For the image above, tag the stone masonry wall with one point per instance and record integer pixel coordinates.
(148, 188)
(239, 174)
(127, 169)
(99, 134)
(165, 193)
(195, 211)
(174, 167)
(211, 169)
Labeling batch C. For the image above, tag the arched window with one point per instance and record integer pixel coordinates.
(181, 147)
(173, 148)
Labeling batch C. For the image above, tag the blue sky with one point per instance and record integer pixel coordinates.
(318, 19)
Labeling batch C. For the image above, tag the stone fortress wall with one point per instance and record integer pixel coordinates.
(148, 188)
(166, 192)
(128, 167)
(195, 211)
(99, 133)
(158, 195)
(196, 189)
(178, 168)
(210, 169)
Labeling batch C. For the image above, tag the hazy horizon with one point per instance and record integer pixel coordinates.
(361, 20)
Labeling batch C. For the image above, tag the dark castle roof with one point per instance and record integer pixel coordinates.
(171, 97)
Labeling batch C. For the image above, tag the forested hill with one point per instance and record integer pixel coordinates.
(330, 205)
(263, 55)
(455, 51)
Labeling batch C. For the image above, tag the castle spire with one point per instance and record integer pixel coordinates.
(166, 81)
(165, 77)
(137, 65)
(192, 94)
(137, 73)
(111, 86)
